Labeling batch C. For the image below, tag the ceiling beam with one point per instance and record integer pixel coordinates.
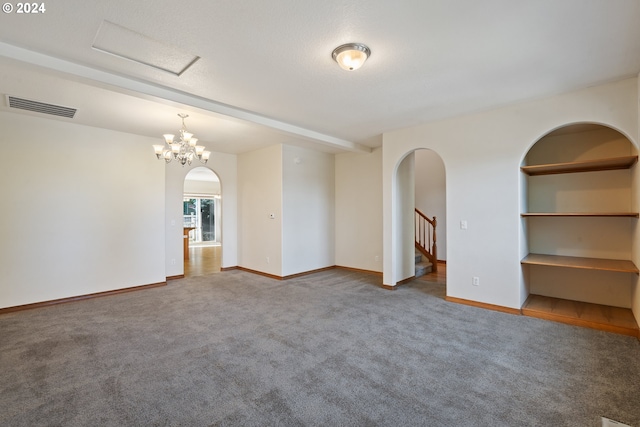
(61, 65)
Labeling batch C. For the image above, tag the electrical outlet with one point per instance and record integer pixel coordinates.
(267, 260)
(463, 225)
(173, 261)
(475, 281)
(377, 258)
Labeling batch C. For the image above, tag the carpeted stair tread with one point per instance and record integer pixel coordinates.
(423, 268)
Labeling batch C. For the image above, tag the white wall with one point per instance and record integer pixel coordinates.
(206, 188)
(226, 167)
(524, 288)
(296, 185)
(482, 154)
(260, 194)
(358, 199)
(308, 210)
(635, 205)
(83, 211)
(431, 195)
(405, 202)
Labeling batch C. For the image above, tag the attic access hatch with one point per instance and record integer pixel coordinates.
(127, 44)
(40, 107)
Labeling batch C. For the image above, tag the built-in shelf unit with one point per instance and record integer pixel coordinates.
(612, 163)
(560, 247)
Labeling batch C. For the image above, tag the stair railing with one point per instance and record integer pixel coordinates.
(425, 233)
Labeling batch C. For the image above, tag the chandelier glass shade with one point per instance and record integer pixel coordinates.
(184, 150)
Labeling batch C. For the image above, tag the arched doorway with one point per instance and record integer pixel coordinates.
(430, 200)
(580, 211)
(420, 191)
(202, 222)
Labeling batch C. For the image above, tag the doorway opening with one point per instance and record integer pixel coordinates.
(200, 214)
(201, 208)
(430, 199)
(420, 200)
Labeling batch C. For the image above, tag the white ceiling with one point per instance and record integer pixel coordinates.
(265, 73)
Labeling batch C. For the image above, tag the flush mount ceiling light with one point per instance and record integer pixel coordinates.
(184, 150)
(351, 56)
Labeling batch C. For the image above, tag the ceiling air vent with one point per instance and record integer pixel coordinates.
(41, 107)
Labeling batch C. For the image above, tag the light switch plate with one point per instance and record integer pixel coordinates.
(606, 422)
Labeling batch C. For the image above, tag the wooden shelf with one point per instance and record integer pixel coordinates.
(612, 163)
(618, 265)
(595, 316)
(583, 214)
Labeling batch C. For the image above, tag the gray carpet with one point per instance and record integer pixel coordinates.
(330, 349)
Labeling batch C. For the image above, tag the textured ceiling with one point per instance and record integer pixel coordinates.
(270, 63)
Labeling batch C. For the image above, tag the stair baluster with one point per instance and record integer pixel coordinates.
(425, 237)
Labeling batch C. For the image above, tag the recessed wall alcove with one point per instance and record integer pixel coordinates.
(580, 214)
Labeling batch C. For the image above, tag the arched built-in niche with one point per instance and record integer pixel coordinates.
(580, 215)
(410, 188)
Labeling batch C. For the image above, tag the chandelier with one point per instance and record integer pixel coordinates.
(183, 150)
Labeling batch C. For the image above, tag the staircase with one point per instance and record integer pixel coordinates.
(422, 267)
(425, 233)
